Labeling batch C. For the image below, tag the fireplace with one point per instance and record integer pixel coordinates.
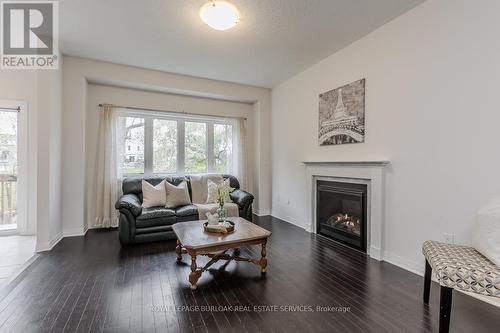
(341, 212)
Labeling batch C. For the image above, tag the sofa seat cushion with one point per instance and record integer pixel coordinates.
(151, 230)
(188, 210)
(155, 216)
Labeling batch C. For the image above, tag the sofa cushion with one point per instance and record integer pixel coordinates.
(155, 216)
(150, 230)
(177, 196)
(188, 210)
(153, 195)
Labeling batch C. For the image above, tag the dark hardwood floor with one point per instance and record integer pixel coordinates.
(91, 284)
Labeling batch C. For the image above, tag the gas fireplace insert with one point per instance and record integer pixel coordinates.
(341, 212)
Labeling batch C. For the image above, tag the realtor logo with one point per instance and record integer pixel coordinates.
(29, 32)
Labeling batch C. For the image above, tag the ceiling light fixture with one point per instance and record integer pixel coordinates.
(219, 15)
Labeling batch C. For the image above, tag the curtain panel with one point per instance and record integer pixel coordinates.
(240, 152)
(108, 180)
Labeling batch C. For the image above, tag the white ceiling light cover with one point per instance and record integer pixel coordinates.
(219, 15)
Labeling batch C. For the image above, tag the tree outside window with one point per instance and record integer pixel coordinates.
(164, 146)
(133, 159)
(156, 145)
(196, 147)
(223, 148)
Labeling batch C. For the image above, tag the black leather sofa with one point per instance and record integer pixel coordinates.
(139, 225)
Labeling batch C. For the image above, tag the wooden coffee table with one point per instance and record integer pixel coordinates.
(192, 239)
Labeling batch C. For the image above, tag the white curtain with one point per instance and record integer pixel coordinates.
(240, 152)
(108, 180)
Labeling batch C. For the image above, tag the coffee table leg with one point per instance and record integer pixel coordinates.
(263, 259)
(178, 250)
(194, 275)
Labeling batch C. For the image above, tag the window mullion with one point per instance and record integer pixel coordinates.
(148, 151)
(148, 146)
(181, 143)
(210, 147)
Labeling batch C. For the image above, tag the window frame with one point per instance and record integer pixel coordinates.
(181, 119)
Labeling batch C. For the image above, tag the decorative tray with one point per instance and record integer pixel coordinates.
(218, 228)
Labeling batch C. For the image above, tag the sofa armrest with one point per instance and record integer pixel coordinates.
(241, 198)
(131, 203)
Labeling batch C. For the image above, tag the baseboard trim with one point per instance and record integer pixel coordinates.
(409, 265)
(47, 246)
(9, 232)
(288, 220)
(74, 232)
(376, 253)
(262, 212)
(7, 287)
(490, 300)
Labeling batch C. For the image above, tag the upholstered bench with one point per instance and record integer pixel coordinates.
(457, 267)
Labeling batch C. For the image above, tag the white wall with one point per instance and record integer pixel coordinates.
(41, 90)
(49, 153)
(432, 109)
(55, 153)
(97, 94)
(77, 73)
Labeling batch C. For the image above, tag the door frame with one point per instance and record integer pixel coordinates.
(23, 225)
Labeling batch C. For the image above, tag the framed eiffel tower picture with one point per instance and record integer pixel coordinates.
(342, 115)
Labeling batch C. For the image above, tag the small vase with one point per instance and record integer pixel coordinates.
(222, 213)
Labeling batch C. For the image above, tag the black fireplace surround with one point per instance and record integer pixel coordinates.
(341, 212)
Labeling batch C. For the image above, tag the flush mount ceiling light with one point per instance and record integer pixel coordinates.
(219, 15)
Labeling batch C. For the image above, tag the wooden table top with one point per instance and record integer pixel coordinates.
(191, 234)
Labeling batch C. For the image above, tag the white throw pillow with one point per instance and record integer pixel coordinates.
(177, 195)
(212, 191)
(153, 196)
(487, 233)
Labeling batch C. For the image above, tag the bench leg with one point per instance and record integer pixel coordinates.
(427, 281)
(445, 309)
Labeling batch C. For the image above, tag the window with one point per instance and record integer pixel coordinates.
(132, 135)
(8, 169)
(173, 144)
(164, 146)
(195, 147)
(223, 147)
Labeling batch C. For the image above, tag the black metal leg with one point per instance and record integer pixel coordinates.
(427, 281)
(445, 309)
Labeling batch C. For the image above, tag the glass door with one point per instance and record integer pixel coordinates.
(8, 168)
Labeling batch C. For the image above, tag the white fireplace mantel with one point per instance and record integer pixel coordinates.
(371, 173)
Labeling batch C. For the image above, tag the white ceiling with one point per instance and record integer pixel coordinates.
(275, 39)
